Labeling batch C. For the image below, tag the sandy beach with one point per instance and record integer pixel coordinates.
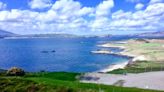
(122, 53)
(101, 52)
(150, 80)
(114, 66)
(108, 45)
(139, 50)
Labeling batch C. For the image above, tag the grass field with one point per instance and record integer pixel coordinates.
(153, 51)
(56, 82)
(140, 67)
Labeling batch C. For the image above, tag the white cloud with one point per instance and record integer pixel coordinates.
(71, 17)
(2, 5)
(139, 6)
(40, 4)
(148, 19)
(156, 1)
(102, 12)
(104, 8)
(154, 10)
(121, 14)
(133, 1)
(64, 15)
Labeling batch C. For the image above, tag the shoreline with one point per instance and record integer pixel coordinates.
(112, 67)
(121, 65)
(107, 45)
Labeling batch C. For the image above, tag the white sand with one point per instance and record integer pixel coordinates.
(121, 65)
(101, 52)
(150, 80)
(107, 45)
(139, 58)
(114, 66)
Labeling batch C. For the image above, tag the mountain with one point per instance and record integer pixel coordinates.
(2, 71)
(152, 34)
(6, 34)
(48, 36)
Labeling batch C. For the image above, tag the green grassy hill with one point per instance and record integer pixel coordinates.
(56, 82)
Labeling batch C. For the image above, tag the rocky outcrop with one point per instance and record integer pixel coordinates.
(14, 71)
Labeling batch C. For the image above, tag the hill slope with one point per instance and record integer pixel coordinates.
(6, 34)
(57, 82)
(152, 34)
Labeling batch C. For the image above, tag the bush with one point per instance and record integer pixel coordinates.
(14, 71)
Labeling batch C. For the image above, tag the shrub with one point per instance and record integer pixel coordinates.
(14, 71)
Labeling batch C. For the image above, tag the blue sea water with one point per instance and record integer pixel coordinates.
(55, 54)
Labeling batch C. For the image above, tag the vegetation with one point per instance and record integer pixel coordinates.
(2, 72)
(14, 71)
(56, 82)
(151, 50)
(65, 76)
(140, 67)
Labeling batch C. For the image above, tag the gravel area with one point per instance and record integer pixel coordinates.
(150, 80)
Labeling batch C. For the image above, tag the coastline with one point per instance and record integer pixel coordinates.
(112, 67)
(121, 65)
(107, 45)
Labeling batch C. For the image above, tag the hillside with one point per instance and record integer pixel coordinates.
(57, 82)
(6, 34)
(152, 34)
(48, 35)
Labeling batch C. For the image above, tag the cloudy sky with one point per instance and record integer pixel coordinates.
(82, 16)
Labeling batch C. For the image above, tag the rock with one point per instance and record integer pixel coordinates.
(14, 71)
(44, 51)
(53, 51)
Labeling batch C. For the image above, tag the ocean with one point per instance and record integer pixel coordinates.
(56, 54)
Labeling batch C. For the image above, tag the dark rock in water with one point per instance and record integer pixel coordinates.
(53, 51)
(44, 51)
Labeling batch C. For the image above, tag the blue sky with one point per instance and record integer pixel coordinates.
(83, 17)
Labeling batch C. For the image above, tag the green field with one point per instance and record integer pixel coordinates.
(140, 67)
(56, 82)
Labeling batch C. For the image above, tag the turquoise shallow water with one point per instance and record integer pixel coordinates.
(55, 54)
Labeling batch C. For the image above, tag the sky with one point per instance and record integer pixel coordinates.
(82, 17)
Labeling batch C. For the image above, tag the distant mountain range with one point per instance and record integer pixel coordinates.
(6, 34)
(159, 34)
(48, 35)
(152, 34)
(2, 71)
